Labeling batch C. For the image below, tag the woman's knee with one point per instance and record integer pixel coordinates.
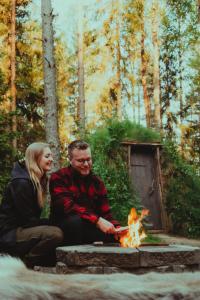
(56, 234)
(49, 233)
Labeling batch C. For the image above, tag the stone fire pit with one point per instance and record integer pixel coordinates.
(112, 259)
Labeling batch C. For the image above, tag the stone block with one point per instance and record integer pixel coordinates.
(111, 270)
(164, 269)
(169, 255)
(50, 270)
(94, 270)
(89, 255)
(178, 268)
(64, 269)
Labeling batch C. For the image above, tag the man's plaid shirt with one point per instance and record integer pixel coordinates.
(85, 196)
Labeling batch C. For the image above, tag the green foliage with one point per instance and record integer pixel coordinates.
(3, 85)
(46, 209)
(152, 239)
(110, 136)
(180, 30)
(182, 185)
(114, 174)
(182, 193)
(6, 151)
(110, 165)
(192, 134)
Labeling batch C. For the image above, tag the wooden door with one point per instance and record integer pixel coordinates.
(144, 176)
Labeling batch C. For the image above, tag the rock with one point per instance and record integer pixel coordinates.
(89, 255)
(169, 255)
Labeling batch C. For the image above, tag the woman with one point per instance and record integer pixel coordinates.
(22, 232)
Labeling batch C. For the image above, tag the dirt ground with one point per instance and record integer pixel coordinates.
(170, 239)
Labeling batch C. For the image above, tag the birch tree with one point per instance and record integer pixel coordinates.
(51, 113)
(156, 69)
(81, 87)
(144, 63)
(118, 56)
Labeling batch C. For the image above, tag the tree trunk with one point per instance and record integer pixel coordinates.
(180, 93)
(132, 97)
(138, 102)
(51, 112)
(143, 79)
(119, 100)
(13, 69)
(156, 69)
(81, 85)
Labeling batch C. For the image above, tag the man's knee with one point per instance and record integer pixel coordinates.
(72, 227)
(73, 222)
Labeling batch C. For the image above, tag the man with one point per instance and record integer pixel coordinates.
(79, 203)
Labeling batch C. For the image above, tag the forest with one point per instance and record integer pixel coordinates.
(119, 69)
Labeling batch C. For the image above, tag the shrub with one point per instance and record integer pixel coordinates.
(182, 193)
(181, 188)
(6, 151)
(110, 163)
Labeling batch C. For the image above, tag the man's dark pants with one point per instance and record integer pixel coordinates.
(78, 231)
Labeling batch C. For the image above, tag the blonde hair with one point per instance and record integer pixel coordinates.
(32, 158)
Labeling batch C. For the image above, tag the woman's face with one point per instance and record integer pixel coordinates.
(46, 160)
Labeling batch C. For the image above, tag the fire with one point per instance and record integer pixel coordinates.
(135, 233)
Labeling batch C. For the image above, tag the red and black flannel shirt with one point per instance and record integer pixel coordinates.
(83, 195)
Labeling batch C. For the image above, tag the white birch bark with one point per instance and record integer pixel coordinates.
(118, 50)
(156, 68)
(81, 85)
(51, 112)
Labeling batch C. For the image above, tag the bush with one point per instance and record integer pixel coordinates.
(182, 193)
(6, 152)
(110, 163)
(121, 194)
(181, 188)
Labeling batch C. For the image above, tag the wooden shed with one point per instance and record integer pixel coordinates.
(145, 173)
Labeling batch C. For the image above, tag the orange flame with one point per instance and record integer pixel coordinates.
(135, 233)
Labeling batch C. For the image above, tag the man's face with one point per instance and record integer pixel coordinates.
(82, 161)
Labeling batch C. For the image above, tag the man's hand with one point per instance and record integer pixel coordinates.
(121, 230)
(105, 226)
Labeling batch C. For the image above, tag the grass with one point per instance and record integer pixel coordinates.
(152, 239)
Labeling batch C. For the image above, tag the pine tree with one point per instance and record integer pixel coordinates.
(13, 69)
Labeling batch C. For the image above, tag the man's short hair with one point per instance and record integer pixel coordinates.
(77, 144)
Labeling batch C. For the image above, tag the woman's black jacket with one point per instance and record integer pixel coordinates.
(19, 207)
